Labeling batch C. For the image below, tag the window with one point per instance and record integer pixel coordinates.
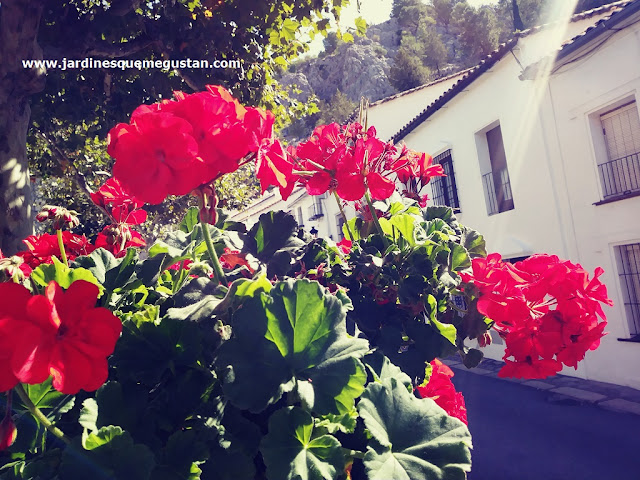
(299, 217)
(315, 210)
(497, 187)
(444, 188)
(620, 170)
(628, 259)
(340, 223)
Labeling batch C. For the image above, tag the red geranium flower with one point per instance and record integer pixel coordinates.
(122, 207)
(59, 334)
(156, 156)
(41, 248)
(441, 390)
(274, 167)
(545, 308)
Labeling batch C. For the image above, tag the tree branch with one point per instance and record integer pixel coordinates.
(119, 50)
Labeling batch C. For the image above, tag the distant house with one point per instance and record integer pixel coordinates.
(541, 144)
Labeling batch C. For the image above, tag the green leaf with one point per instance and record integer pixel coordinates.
(411, 438)
(181, 457)
(289, 29)
(296, 333)
(190, 220)
(361, 25)
(63, 275)
(331, 424)
(405, 224)
(89, 414)
(290, 451)
(110, 271)
(474, 243)
(273, 240)
(347, 37)
(108, 454)
(472, 358)
(458, 257)
(149, 347)
(51, 402)
(382, 369)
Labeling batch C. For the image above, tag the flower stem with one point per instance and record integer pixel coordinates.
(218, 273)
(63, 254)
(376, 222)
(35, 411)
(344, 217)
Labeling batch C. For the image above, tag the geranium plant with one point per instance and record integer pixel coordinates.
(228, 352)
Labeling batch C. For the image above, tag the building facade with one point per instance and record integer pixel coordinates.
(541, 145)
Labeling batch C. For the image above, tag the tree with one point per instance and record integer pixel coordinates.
(477, 29)
(407, 71)
(443, 9)
(410, 14)
(76, 104)
(337, 109)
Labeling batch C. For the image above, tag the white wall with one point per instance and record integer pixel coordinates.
(551, 156)
(581, 91)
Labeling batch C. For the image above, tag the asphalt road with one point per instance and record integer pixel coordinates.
(520, 433)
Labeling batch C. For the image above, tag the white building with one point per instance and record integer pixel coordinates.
(541, 141)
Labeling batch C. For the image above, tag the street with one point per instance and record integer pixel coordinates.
(518, 434)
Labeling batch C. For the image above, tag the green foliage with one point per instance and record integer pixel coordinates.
(407, 71)
(406, 431)
(337, 109)
(477, 30)
(297, 370)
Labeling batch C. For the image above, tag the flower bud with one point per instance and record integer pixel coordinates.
(208, 201)
(200, 269)
(8, 432)
(61, 217)
(10, 270)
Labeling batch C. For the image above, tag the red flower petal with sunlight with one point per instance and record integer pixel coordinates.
(441, 390)
(62, 334)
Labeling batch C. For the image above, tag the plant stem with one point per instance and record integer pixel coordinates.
(35, 411)
(63, 254)
(218, 273)
(376, 222)
(344, 217)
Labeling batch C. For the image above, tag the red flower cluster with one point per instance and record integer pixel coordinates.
(124, 210)
(170, 148)
(344, 159)
(546, 309)
(41, 248)
(415, 171)
(59, 334)
(441, 390)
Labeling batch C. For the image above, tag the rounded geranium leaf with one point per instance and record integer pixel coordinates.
(411, 438)
(291, 451)
(296, 333)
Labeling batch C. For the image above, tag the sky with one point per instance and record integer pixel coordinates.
(378, 11)
(374, 12)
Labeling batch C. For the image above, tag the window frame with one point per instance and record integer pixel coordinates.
(497, 200)
(601, 151)
(439, 184)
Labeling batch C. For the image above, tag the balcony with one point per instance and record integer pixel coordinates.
(497, 194)
(620, 177)
(315, 211)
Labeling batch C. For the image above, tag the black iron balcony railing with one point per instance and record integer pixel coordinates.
(621, 176)
(315, 211)
(498, 194)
